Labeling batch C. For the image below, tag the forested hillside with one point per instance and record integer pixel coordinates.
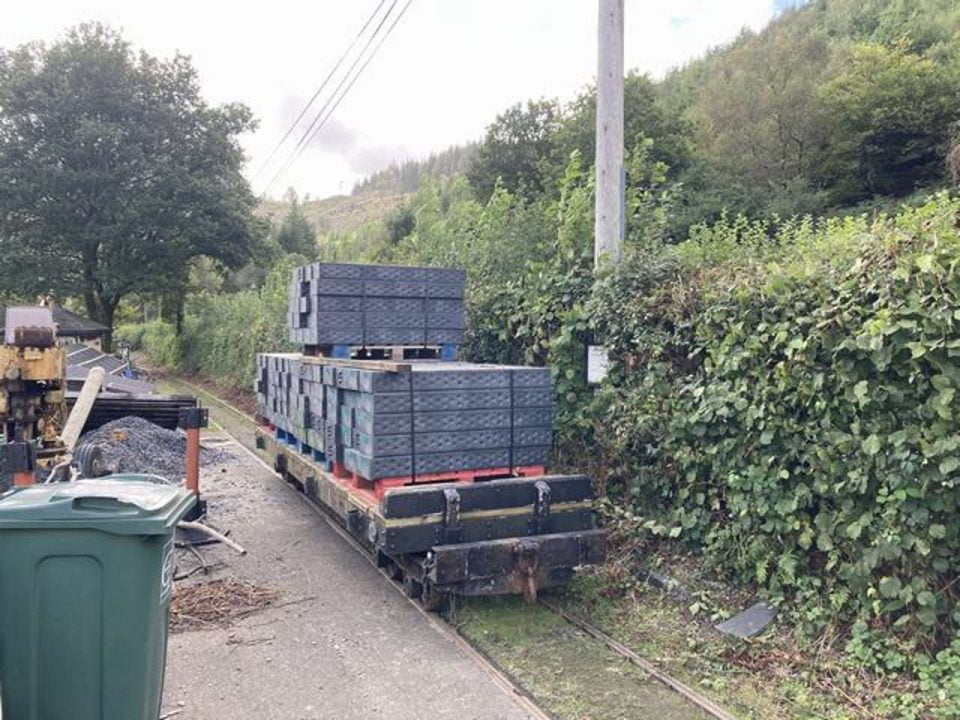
(836, 105)
(407, 176)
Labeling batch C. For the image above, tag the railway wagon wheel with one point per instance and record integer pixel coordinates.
(432, 599)
(393, 571)
(412, 587)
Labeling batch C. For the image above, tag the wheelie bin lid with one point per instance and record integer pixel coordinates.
(118, 504)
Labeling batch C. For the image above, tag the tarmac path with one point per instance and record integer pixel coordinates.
(340, 642)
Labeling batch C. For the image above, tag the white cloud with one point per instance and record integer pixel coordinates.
(446, 71)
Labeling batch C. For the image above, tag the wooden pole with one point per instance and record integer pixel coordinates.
(81, 408)
(193, 460)
(609, 214)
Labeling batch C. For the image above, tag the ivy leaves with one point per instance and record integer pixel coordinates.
(789, 403)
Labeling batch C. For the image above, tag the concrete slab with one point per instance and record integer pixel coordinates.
(341, 643)
(750, 622)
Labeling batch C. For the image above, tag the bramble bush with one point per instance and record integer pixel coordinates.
(781, 396)
(787, 404)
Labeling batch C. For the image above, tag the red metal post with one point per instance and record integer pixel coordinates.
(24, 478)
(20, 460)
(190, 421)
(193, 460)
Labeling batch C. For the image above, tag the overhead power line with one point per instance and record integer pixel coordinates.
(362, 68)
(346, 83)
(306, 136)
(309, 134)
(319, 90)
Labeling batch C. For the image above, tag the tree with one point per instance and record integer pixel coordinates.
(114, 172)
(892, 113)
(296, 235)
(644, 116)
(759, 121)
(515, 150)
(400, 223)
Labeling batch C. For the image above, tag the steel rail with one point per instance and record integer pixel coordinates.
(701, 701)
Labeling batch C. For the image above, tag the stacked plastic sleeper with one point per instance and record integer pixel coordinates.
(440, 420)
(277, 389)
(375, 305)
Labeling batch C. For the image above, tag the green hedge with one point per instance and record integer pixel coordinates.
(158, 339)
(789, 406)
(222, 334)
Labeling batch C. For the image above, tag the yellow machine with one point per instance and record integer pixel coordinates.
(33, 371)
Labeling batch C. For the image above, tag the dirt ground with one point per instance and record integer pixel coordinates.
(338, 640)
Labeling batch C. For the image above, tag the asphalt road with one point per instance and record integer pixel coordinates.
(340, 642)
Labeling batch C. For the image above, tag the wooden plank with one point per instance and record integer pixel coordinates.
(336, 493)
(382, 365)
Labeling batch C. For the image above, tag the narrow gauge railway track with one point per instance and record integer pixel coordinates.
(519, 694)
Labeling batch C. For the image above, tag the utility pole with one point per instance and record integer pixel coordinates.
(609, 217)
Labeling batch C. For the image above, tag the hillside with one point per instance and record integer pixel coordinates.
(377, 196)
(340, 213)
(407, 176)
(833, 104)
(836, 105)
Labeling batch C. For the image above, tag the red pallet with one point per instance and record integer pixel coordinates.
(380, 487)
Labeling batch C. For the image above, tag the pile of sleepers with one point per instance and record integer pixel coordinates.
(375, 305)
(431, 421)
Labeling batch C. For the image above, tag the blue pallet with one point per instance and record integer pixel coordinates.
(291, 440)
(448, 351)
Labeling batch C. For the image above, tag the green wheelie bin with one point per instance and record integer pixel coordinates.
(86, 573)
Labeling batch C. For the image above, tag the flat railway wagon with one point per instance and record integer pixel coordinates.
(436, 467)
(512, 535)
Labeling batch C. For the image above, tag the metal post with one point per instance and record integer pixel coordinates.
(609, 217)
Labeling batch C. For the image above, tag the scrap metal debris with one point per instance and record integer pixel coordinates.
(135, 445)
(218, 603)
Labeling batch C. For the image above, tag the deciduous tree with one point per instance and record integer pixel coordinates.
(891, 114)
(518, 146)
(114, 171)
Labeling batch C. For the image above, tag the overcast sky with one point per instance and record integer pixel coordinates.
(444, 73)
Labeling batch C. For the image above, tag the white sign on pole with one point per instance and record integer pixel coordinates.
(598, 362)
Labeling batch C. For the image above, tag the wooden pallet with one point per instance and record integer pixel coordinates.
(394, 353)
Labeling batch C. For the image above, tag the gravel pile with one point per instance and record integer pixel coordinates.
(135, 445)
